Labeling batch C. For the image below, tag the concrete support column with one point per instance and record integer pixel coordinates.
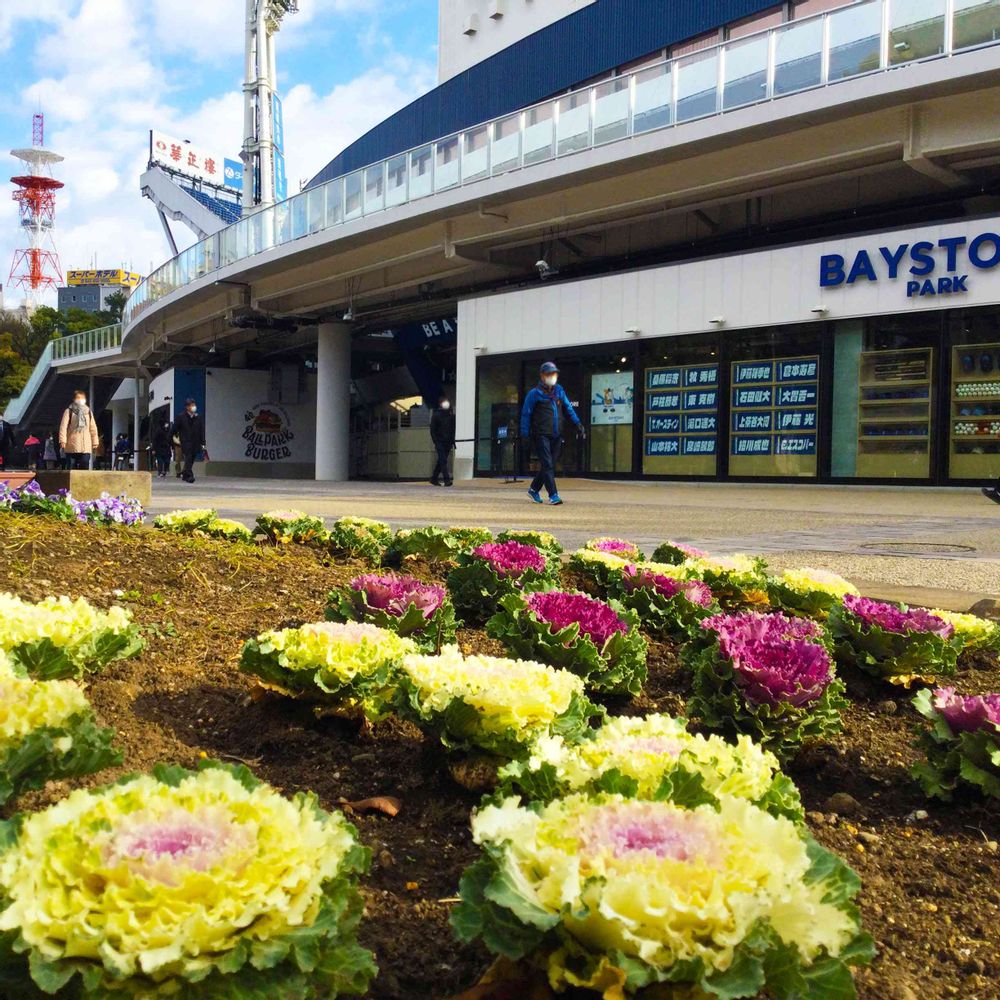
(333, 402)
(90, 402)
(136, 418)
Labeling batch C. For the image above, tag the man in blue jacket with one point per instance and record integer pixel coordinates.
(543, 416)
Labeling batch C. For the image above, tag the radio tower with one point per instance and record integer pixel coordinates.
(36, 266)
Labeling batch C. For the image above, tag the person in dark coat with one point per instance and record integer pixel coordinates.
(162, 441)
(189, 429)
(443, 436)
(7, 445)
(543, 416)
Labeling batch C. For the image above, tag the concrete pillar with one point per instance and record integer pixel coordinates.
(333, 402)
(90, 402)
(136, 417)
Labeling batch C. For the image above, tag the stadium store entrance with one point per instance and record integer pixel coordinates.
(904, 398)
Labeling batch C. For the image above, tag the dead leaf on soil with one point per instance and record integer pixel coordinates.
(387, 804)
(507, 980)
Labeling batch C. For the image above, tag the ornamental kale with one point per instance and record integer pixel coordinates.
(492, 571)
(893, 642)
(674, 553)
(360, 538)
(962, 745)
(667, 607)
(404, 605)
(280, 527)
(616, 547)
(598, 641)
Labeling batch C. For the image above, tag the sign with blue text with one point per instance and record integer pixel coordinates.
(775, 407)
(682, 411)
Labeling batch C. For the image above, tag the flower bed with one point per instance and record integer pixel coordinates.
(892, 642)
(768, 676)
(666, 607)
(598, 641)
(349, 668)
(614, 895)
(404, 605)
(653, 758)
(962, 745)
(47, 731)
(360, 538)
(60, 638)
(105, 509)
(491, 704)
(600, 572)
(616, 547)
(492, 571)
(737, 581)
(281, 527)
(196, 885)
(674, 553)
(812, 592)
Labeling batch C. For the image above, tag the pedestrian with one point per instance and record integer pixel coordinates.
(78, 435)
(190, 432)
(50, 455)
(162, 446)
(32, 448)
(543, 416)
(123, 452)
(7, 445)
(443, 436)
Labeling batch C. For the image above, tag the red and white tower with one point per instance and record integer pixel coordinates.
(36, 266)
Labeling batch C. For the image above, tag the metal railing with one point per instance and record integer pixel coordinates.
(17, 407)
(99, 341)
(822, 50)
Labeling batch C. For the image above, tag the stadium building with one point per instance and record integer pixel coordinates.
(761, 241)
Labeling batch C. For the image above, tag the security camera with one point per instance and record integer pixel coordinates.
(545, 269)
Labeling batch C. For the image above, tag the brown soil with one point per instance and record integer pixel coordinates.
(931, 885)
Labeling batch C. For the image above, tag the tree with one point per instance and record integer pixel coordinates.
(115, 304)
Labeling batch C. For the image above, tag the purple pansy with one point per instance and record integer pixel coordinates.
(892, 619)
(969, 713)
(395, 594)
(596, 619)
(511, 558)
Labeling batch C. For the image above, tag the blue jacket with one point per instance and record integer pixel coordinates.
(540, 412)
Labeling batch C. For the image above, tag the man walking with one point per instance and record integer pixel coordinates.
(189, 429)
(443, 436)
(545, 411)
(78, 436)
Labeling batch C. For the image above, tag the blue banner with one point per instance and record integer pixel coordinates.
(797, 395)
(759, 398)
(708, 400)
(705, 375)
(663, 378)
(796, 420)
(233, 174)
(745, 372)
(698, 445)
(662, 425)
(798, 369)
(697, 423)
(277, 124)
(663, 446)
(747, 420)
(280, 180)
(663, 401)
(796, 444)
(758, 444)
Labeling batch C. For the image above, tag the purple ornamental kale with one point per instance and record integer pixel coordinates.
(511, 558)
(693, 590)
(793, 671)
(395, 594)
(750, 627)
(597, 620)
(892, 619)
(970, 713)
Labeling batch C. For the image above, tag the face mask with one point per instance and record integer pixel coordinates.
(445, 405)
(550, 380)
(79, 401)
(192, 410)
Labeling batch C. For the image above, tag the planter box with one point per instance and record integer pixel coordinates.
(85, 485)
(16, 479)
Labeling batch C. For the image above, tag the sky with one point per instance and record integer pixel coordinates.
(106, 71)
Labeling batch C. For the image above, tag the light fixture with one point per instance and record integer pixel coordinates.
(545, 269)
(348, 314)
(479, 349)
(624, 360)
(633, 331)
(820, 310)
(718, 321)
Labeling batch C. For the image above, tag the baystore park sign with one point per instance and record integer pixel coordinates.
(942, 268)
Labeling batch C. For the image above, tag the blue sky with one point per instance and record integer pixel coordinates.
(106, 71)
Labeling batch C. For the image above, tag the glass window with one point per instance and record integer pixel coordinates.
(335, 202)
(374, 188)
(696, 44)
(300, 221)
(574, 123)
(976, 22)
(759, 22)
(475, 154)
(855, 40)
(446, 152)
(395, 193)
(916, 30)
(538, 133)
(697, 85)
(746, 72)
(498, 415)
(774, 404)
(974, 404)
(610, 380)
(653, 98)
(806, 8)
(421, 170)
(798, 57)
(611, 110)
(884, 386)
(506, 144)
(353, 194)
(316, 208)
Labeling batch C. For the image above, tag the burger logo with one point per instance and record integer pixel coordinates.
(267, 432)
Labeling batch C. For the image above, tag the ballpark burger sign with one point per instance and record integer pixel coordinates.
(267, 432)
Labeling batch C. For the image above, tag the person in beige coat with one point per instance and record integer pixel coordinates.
(78, 436)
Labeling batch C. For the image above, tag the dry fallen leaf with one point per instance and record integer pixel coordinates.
(387, 804)
(507, 980)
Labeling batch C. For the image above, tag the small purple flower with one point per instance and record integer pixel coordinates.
(395, 594)
(969, 713)
(892, 619)
(596, 619)
(750, 627)
(511, 558)
(693, 590)
(793, 671)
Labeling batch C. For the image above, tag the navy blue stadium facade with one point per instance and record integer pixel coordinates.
(603, 35)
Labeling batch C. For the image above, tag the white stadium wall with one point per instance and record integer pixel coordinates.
(744, 291)
(470, 31)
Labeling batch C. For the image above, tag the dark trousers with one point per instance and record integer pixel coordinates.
(441, 469)
(162, 463)
(547, 449)
(189, 455)
(77, 460)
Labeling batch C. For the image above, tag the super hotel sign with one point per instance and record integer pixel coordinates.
(128, 279)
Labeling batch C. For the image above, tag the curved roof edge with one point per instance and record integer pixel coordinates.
(603, 35)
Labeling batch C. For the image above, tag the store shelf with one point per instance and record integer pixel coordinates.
(923, 401)
(990, 438)
(894, 420)
(892, 383)
(879, 438)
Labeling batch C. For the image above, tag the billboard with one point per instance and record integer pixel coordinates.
(278, 123)
(280, 178)
(233, 171)
(191, 161)
(611, 398)
(127, 279)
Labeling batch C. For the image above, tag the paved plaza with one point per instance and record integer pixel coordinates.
(944, 544)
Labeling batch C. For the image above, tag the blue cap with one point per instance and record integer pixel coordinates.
(549, 368)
